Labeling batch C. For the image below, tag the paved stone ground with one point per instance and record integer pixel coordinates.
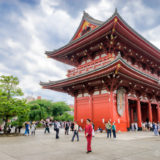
(128, 146)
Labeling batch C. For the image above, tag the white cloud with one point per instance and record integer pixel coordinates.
(153, 35)
(135, 12)
(103, 10)
(48, 6)
(13, 44)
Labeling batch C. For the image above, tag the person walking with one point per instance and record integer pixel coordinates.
(47, 128)
(108, 127)
(88, 134)
(114, 130)
(56, 128)
(156, 133)
(75, 133)
(33, 128)
(66, 128)
(72, 126)
(26, 129)
(158, 124)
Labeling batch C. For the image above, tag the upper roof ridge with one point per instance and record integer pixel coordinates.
(89, 18)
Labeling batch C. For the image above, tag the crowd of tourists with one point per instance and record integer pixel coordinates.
(147, 126)
(110, 128)
(30, 127)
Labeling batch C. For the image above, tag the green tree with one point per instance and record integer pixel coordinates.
(36, 112)
(42, 109)
(10, 106)
(59, 108)
(64, 117)
(9, 86)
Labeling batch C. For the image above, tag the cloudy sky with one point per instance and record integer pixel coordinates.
(30, 27)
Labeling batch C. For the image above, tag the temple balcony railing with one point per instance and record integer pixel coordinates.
(144, 70)
(90, 66)
(103, 61)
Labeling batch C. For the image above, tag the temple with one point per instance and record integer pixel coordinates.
(116, 74)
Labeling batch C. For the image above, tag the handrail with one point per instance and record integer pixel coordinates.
(90, 65)
(100, 62)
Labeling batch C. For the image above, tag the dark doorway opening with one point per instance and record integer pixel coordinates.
(132, 111)
(144, 112)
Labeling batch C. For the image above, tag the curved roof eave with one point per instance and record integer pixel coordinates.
(85, 35)
(119, 58)
(136, 33)
(121, 19)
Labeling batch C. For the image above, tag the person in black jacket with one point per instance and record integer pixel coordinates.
(66, 128)
(47, 128)
(72, 126)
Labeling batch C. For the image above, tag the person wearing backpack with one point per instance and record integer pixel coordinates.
(56, 128)
(75, 133)
(66, 128)
(47, 128)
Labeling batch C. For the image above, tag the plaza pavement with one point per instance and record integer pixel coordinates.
(127, 146)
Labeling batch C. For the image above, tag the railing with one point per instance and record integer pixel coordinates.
(143, 70)
(90, 66)
(100, 62)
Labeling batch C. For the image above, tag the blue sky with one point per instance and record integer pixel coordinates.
(30, 27)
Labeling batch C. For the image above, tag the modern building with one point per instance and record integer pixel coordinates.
(116, 74)
(31, 98)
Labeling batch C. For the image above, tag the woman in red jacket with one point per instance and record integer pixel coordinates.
(88, 134)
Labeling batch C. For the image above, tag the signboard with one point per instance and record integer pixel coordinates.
(121, 100)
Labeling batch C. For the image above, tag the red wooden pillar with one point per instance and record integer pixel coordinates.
(127, 111)
(132, 120)
(91, 106)
(75, 108)
(139, 115)
(111, 106)
(150, 111)
(158, 112)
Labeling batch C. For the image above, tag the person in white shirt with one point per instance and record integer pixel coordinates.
(136, 126)
(33, 128)
(132, 126)
(56, 128)
(150, 126)
(75, 133)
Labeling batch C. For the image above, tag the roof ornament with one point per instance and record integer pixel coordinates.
(116, 11)
(85, 13)
(119, 54)
(117, 68)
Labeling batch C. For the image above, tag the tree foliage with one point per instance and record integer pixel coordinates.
(42, 109)
(13, 107)
(59, 108)
(64, 117)
(10, 106)
(9, 86)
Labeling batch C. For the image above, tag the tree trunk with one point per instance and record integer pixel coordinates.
(6, 124)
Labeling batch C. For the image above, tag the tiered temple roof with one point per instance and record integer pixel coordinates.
(121, 43)
(122, 29)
